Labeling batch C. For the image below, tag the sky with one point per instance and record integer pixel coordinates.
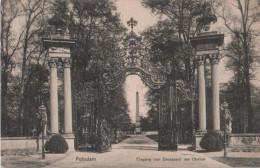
(133, 83)
(134, 8)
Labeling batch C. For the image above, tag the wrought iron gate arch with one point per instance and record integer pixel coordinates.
(145, 76)
(135, 60)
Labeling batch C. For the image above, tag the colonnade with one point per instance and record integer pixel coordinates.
(214, 60)
(54, 63)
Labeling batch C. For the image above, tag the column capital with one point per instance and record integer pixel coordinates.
(53, 63)
(66, 62)
(200, 59)
(214, 58)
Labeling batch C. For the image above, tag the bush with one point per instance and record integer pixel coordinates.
(212, 141)
(57, 144)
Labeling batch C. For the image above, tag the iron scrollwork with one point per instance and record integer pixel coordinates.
(134, 60)
(187, 93)
(167, 129)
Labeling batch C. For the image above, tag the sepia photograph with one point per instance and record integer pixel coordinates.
(130, 83)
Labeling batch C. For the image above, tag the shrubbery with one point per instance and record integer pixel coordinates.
(212, 141)
(57, 144)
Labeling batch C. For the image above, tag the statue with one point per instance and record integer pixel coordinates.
(228, 121)
(44, 120)
(43, 116)
(67, 32)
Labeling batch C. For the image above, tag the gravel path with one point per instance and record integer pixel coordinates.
(135, 152)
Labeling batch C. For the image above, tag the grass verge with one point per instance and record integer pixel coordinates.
(239, 162)
(153, 137)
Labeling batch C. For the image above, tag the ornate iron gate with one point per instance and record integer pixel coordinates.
(168, 139)
(93, 131)
(168, 101)
(103, 142)
(134, 60)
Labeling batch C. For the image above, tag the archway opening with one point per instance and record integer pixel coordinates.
(133, 84)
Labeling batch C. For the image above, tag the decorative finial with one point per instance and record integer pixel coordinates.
(132, 22)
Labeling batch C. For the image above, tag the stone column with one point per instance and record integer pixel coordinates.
(54, 97)
(202, 94)
(215, 91)
(67, 98)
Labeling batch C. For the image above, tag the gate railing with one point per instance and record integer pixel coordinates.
(168, 101)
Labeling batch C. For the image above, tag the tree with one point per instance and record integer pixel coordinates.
(33, 14)
(241, 25)
(236, 91)
(94, 24)
(9, 47)
(98, 31)
(96, 27)
(186, 18)
(25, 42)
(35, 94)
(145, 124)
(170, 38)
(153, 112)
(119, 112)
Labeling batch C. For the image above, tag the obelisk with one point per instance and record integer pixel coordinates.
(137, 120)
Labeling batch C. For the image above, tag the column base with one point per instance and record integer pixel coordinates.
(45, 136)
(217, 130)
(70, 139)
(137, 131)
(198, 137)
(68, 135)
(53, 133)
(201, 132)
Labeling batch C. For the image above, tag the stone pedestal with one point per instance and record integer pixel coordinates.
(70, 139)
(137, 131)
(137, 122)
(198, 138)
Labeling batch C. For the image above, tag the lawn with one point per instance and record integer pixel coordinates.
(121, 138)
(231, 161)
(153, 137)
(239, 162)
